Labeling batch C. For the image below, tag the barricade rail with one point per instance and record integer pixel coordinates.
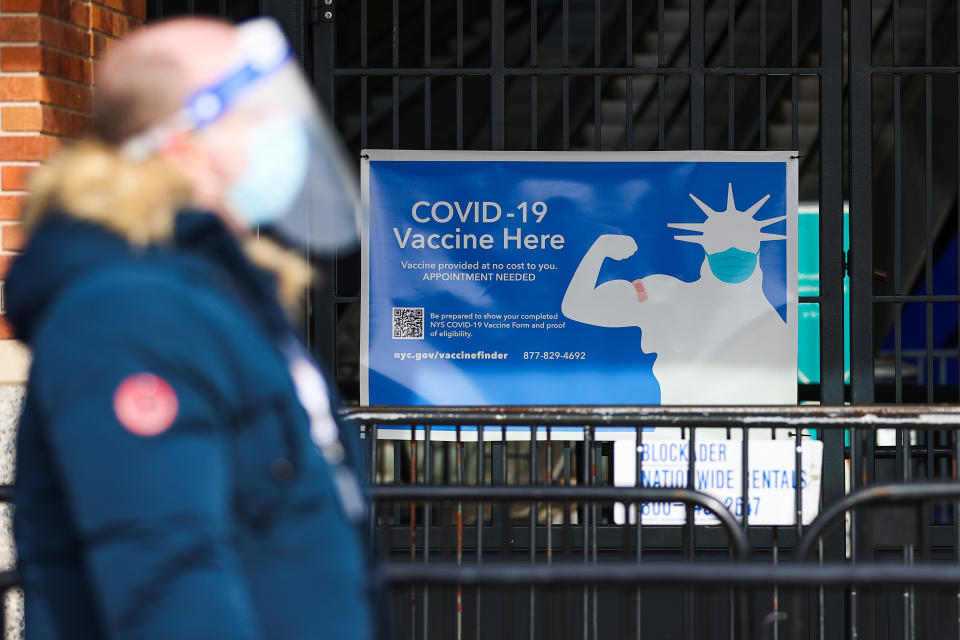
(920, 417)
(814, 580)
(474, 572)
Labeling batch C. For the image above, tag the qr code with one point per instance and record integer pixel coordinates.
(408, 323)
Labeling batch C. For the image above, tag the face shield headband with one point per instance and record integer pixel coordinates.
(265, 51)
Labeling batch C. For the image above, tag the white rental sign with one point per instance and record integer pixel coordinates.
(771, 479)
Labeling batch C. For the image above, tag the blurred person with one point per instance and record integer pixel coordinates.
(181, 474)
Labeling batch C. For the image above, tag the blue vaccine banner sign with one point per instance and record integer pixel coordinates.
(494, 278)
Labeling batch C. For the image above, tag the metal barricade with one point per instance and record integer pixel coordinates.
(521, 547)
(520, 567)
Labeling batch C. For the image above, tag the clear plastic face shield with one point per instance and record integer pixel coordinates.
(288, 171)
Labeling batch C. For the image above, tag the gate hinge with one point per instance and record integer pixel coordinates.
(321, 11)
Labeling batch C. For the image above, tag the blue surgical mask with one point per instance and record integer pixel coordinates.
(732, 266)
(278, 156)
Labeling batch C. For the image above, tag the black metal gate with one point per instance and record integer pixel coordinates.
(903, 103)
(600, 75)
(867, 91)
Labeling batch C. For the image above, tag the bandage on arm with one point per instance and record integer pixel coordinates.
(616, 303)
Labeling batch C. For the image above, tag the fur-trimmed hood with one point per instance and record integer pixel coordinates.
(139, 201)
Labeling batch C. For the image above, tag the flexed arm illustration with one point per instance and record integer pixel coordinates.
(616, 303)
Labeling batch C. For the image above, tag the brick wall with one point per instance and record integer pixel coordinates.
(47, 54)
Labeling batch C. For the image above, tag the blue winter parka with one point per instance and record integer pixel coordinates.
(167, 483)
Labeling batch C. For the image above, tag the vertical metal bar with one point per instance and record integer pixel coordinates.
(321, 301)
(832, 171)
(460, 119)
(549, 505)
(566, 505)
(661, 113)
(505, 522)
(905, 467)
(697, 63)
(896, 31)
(427, 88)
(413, 529)
(861, 207)
(565, 62)
(928, 169)
(745, 476)
(775, 531)
(370, 431)
(897, 208)
(763, 77)
(460, 530)
(690, 536)
(638, 508)
(745, 490)
(956, 434)
(797, 489)
(549, 621)
(597, 80)
(596, 462)
(661, 29)
(585, 525)
(396, 78)
(731, 78)
(628, 608)
(445, 470)
(497, 78)
(363, 79)
(533, 529)
(731, 592)
(397, 474)
(898, 349)
(822, 601)
(794, 77)
(928, 192)
(481, 469)
(427, 512)
(955, 474)
(661, 61)
(628, 122)
(909, 613)
(534, 79)
(854, 483)
(831, 242)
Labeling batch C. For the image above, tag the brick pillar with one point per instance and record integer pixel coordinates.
(47, 53)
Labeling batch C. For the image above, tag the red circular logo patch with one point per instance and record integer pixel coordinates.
(145, 404)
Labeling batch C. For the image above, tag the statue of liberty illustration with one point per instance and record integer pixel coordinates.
(718, 340)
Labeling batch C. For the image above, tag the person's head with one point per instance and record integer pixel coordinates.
(229, 109)
(145, 80)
